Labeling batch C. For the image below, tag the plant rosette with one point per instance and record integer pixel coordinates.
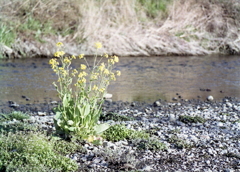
(82, 92)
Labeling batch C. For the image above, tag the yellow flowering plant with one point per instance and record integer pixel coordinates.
(82, 92)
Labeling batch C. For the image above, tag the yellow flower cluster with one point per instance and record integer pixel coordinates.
(106, 72)
(102, 90)
(81, 56)
(95, 88)
(66, 60)
(53, 63)
(59, 44)
(83, 66)
(94, 76)
(59, 53)
(82, 74)
(98, 45)
(82, 81)
(74, 72)
(118, 73)
(114, 59)
(101, 67)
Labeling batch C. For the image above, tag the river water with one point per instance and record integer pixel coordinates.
(144, 79)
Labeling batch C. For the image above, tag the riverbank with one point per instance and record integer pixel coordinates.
(194, 136)
(126, 28)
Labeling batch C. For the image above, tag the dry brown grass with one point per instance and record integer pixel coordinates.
(212, 26)
(192, 27)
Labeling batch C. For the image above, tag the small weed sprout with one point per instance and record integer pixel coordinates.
(82, 91)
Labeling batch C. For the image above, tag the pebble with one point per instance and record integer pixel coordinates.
(41, 113)
(210, 98)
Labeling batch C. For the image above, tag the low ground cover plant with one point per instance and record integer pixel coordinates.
(115, 117)
(191, 119)
(31, 151)
(23, 147)
(82, 92)
(120, 132)
(149, 144)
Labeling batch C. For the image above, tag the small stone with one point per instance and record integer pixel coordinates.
(147, 168)
(13, 104)
(210, 98)
(127, 167)
(108, 96)
(148, 110)
(96, 160)
(220, 124)
(228, 170)
(229, 104)
(157, 104)
(109, 144)
(172, 117)
(193, 138)
(54, 102)
(41, 113)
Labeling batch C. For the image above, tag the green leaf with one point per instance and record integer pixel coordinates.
(71, 128)
(65, 101)
(101, 128)
(58, 115)
(87, 110)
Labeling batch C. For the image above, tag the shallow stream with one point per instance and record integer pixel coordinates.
(144, 79)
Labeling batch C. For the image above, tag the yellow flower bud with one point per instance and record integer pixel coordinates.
(102, 90)
(83, 67)
(81, 56)
(111, 61)
(59, 44)
(116, 59)
(98, 45)
(95, 88)
(106, 71)
(118, 73)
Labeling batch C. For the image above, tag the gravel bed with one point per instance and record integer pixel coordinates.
(199, 135)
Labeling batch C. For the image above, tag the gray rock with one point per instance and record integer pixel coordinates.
(220, 124)
(229, 104)
(172, 117)
(157, 103)
(14, 104)
(210, 98)
(147, 168)
(54, 102)
(41, 113)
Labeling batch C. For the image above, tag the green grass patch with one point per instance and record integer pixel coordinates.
(120, 132)
(7, 35)
(14, 115)
(178, 143)
(14, 122)
(36, 28)
(154, 7)
(31, 152)
(191, 119)
(115, 117)
(149, 144)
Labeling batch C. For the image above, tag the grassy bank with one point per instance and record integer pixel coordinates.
(136, 27)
